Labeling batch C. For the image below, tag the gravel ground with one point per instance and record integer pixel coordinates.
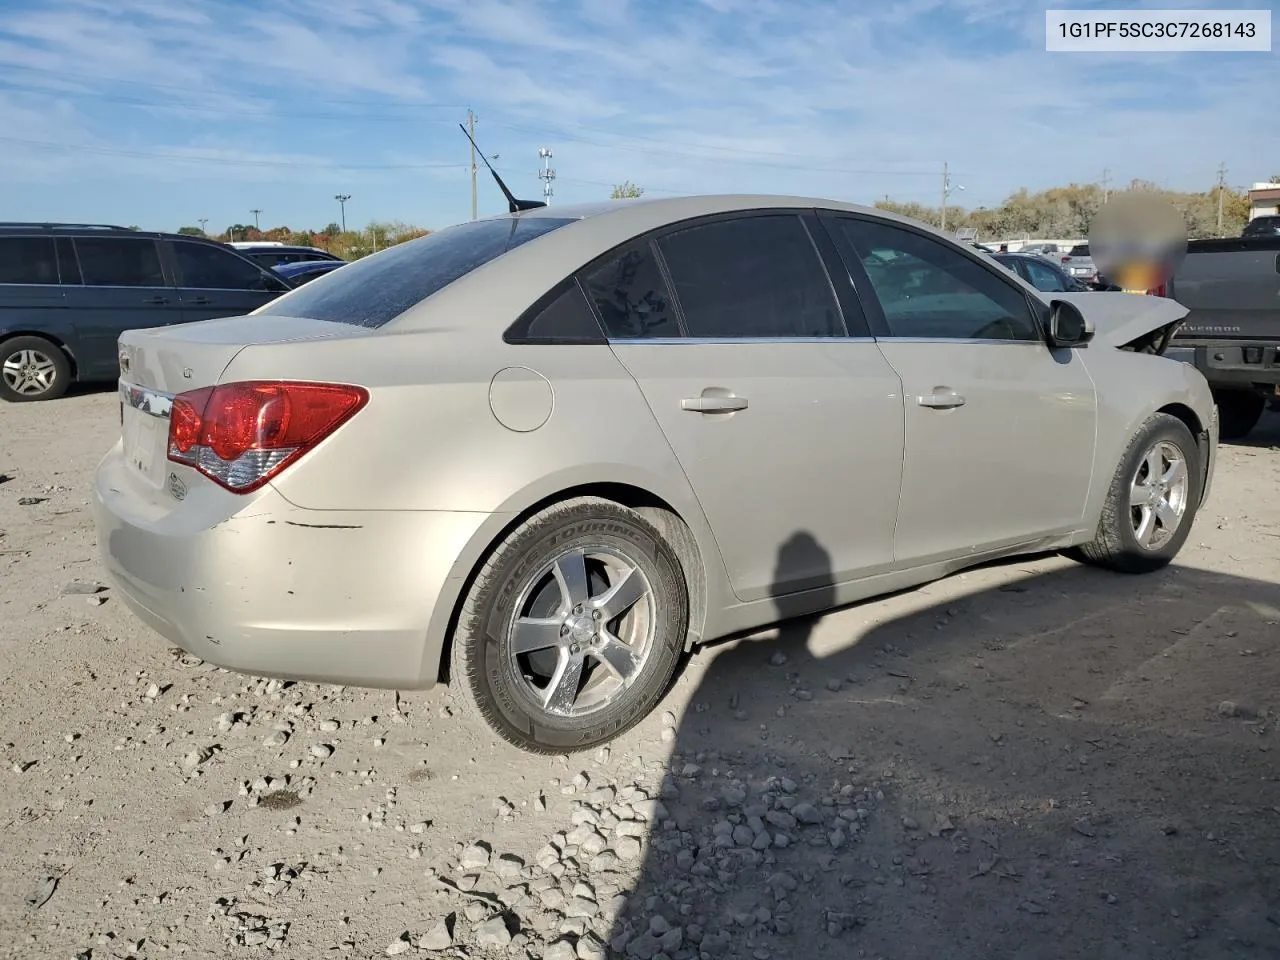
(1028, 760)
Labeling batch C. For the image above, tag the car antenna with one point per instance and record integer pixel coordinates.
(514, 205)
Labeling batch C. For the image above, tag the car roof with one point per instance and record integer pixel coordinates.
(95, 230)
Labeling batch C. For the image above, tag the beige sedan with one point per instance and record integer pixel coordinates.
(544, 454)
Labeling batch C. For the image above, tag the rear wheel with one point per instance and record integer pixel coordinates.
(1152, 500)
(573, 628)
(33, 368)
(1238, 412)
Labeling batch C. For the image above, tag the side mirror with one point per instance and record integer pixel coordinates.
(1068, 327)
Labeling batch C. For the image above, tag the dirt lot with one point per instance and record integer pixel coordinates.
(1029, 760)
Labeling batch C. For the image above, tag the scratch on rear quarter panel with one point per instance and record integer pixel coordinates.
(325, 526)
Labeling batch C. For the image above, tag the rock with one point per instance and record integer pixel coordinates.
(439, 937)
(777, 659)
(590, 948)
(1227, 708)
(910, 823)
(329, 726)
(153, 691)
(807, 813)
(644, 947)
(834, 685)
(581, 907)
(668, 718)
(509, 867)
(628, 848)
(668, 734)
(493, 933)
(95, 601)
(781, 819)
(1084, 827)
(82, 588)
(399, 946)
(420, 827)
(277, 739)
(560, 950)
(321, 751)
(474, 857)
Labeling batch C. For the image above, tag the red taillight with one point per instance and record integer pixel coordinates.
(240, 435)
(1157, 292)
(1065, 259)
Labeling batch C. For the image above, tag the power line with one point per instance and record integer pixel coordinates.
(187, 158)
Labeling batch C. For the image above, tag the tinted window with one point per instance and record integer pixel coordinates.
(119, 262)
(68, 266)
(754, 276)
(928, 290)
(631, 296)
(1079, 250)
(373, 290)
(1044, 277)
(28, 260)
(564, 316)
(212, 268)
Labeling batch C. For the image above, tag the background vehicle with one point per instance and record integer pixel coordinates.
(1043, 274)
(1079, 264)
(1231, 288)
(304, 270)
(1267, 226)
(270, 253)
(511, 453)
(67, 292)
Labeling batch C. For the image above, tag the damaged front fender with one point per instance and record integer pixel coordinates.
(1129, 321)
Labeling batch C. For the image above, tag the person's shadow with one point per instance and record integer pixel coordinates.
(1012, 774)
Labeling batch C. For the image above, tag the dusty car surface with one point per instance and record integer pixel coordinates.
(542, 455)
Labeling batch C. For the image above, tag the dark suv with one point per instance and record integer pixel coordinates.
(1267, 226)
(67, 292)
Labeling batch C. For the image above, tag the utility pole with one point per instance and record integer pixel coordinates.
(342, 199)
(471, 129)
(946, 192)
(255, 211)
(1106, 184)
(1222, 186)
(546, 175)
(202, 221)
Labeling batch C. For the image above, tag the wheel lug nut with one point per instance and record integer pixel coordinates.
(595, 614)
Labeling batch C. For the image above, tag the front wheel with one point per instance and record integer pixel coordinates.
(1152, 500)
(33, 368)
(573, 628)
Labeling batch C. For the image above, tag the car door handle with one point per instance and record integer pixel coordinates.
(156, 300)
(201, 301)
(713, 404)
(941, 400)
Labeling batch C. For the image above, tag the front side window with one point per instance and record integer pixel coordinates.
(203, 266)
(751, 277)
(929, 291)
(28, 260)
(630, 295)
(119, 262)
(374, 290)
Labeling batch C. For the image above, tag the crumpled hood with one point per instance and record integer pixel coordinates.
(1121, 318)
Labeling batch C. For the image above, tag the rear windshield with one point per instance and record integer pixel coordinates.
(374, 290)
(1080, 250)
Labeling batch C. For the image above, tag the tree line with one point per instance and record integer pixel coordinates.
(347, 244)
(1067, 212)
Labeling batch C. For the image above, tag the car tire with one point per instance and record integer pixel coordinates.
(1238, 412)
(33, 368)
(530, 656)
(1123, 542)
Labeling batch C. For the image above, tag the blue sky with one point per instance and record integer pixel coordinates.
(159, 112)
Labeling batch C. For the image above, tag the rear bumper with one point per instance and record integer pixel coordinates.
(1233, 365)
(341, 597)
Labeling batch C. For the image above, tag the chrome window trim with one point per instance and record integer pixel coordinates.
(1022, 343)
(714, 340)
(155, 403)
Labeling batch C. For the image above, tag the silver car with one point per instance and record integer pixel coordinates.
(543, 455)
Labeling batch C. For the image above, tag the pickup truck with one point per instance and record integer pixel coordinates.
(1231, 334)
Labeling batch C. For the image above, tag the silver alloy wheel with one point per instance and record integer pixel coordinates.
(29, 372)
(1159, 495)
(582, 632)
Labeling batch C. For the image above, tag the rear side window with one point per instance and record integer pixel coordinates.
(562, 316)
(119, 262)
(204, 266)
(630, 295)
(374, 290)
(751, 278)
(28, 260)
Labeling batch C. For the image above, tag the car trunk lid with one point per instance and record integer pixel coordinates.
(158, 364)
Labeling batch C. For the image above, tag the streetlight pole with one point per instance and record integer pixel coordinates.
(342, 199)
(255, 211)
(202, 221)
